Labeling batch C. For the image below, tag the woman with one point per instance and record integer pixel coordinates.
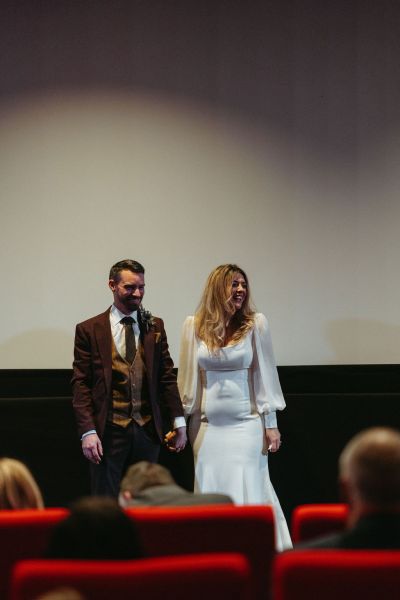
(18, 489)
(230, 388)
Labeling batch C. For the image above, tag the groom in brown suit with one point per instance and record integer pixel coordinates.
(124, 387)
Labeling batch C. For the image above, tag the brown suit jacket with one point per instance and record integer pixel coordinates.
(92, 374)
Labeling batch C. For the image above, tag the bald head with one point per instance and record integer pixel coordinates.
(370, 468)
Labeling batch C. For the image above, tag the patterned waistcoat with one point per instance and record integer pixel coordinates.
(129, 390)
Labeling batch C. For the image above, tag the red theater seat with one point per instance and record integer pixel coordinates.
(24, 534)
(337, 575)
(314, 520)
(187, 530)
(222, 576)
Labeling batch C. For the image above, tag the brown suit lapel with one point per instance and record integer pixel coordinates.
(148, 349)
(102, 332)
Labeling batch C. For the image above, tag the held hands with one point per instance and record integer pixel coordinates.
(176, 440)
(273, 439)
(92, 448)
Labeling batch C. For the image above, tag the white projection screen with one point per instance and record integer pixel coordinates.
(189, 139)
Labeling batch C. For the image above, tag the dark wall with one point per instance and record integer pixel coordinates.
(326, 406)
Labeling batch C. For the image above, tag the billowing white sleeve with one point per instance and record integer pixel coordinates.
(266, 385)
(188, 379)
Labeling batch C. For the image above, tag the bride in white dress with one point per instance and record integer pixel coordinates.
(229, 386)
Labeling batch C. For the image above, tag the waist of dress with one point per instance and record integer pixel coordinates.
(233, 374)
(227, 370)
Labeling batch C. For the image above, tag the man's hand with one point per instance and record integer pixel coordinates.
(273, 439)
(180, 439)
(92, 448)
(176, 439)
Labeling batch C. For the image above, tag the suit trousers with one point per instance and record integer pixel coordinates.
(122, 446)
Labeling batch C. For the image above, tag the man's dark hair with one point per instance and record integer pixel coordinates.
(96, 529)
(126, 264)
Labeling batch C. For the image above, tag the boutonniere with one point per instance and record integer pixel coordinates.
(146, 319)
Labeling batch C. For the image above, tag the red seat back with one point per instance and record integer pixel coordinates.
(222, 576)
(313, 520)
(223, 528)
(337, 574)
(24, 534)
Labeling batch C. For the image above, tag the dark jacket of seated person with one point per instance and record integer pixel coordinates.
(379, 531)
(96, 529)
(369, 478)
(150, 484)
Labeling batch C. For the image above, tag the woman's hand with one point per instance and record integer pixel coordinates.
(176, 440)
(273, 439)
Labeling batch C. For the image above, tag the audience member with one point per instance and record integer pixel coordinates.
(369, 477)
(96, 529)
(61, 593)
(150, 484)
(18, 489)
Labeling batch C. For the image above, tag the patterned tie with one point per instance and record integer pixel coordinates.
(130, 341)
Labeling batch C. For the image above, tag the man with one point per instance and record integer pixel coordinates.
(149, 484)
(369, 475)
(123, 384)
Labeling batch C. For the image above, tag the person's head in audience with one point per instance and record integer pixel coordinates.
(369, 472)
(18, 489)
(369, 478)
(61, 593)
(141, 476)
(96, 529)
(151, 484)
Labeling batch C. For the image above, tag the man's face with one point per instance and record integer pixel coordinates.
(128, 291)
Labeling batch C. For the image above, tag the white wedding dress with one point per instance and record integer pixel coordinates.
(226, 426)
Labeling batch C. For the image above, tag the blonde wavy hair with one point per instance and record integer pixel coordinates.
(18, 489)
(216, 309)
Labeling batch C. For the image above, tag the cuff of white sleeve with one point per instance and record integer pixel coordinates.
(270, 420)
(179, 422)
(88, 433)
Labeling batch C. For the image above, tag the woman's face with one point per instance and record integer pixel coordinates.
(238, 290)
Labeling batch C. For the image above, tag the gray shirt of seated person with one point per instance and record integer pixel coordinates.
(174, 495)
(151, 484)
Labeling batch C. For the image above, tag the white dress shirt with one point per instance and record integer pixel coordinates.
(118, 328)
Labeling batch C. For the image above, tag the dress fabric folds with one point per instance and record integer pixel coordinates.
(227, 396)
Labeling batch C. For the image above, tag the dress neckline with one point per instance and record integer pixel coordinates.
(231, 345)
